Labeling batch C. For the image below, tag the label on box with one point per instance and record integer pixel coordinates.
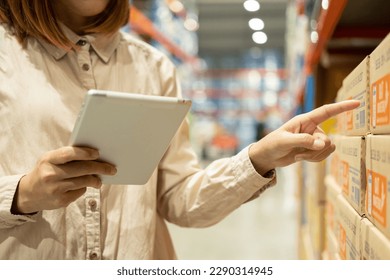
(380, 101)
(343, 243)
(376, 196)
(345, 177)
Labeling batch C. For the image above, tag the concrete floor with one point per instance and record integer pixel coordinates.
(263, 229)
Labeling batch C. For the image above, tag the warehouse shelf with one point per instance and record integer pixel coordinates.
(142, 25)
(327, 22)
(347, 32)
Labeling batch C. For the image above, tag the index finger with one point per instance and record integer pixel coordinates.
(327, 111)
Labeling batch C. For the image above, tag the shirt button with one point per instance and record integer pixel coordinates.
(93, 256)
(93, 204)
(81, 43)
(85, 67)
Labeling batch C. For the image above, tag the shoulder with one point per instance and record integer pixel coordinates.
(143, 50)
(11, 51)
(5, 35)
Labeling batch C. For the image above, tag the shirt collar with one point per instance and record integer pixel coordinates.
(103, 44)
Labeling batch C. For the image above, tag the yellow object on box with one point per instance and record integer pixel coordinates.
(378, 183)
(349, 232)
(380, 88)
(329, 126)
(374, 244)
(356, 87)
(350, 151)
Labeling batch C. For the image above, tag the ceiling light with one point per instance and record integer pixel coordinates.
(176, 6)
(256, 24)
(191, 24)
(251, 5)
(325, 4)
(259, 37)
(314, 37)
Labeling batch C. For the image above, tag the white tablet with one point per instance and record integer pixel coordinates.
(131, 131)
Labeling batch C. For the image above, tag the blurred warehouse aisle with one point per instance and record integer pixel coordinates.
(251, 65)
(265, 228)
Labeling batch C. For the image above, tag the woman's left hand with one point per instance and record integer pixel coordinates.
(298, 139)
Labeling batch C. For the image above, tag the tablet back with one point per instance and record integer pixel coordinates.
(131, 131)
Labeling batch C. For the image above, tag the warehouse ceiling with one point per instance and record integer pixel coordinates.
(224, 29)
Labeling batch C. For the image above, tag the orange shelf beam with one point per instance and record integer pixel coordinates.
(326, 25)
(327, 22)
(143, 26)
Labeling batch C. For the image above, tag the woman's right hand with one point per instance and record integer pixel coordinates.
(59, 178)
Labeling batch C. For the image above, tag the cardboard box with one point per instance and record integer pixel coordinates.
(341, 123)
(351, 154)
(356, 86)
(349, 233)
(374, 244)
(333, 161)
(332, 246)
(305, 248)
(378, 181)
(314, 200)
(314, 181)
(380, 88)
(333, 190)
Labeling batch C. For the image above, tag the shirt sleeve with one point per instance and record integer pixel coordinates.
(8, 185)
(190, 196)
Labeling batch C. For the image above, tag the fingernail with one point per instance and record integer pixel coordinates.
(113, 170)
(318, 144)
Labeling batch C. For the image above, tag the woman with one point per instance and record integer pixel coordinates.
(52, 202)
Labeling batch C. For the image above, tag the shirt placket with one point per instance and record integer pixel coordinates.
(85, 64)
(92, 220)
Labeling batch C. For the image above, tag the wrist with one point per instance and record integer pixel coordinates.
(260, 162)
(19, 204)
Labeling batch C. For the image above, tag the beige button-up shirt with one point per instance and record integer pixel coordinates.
(41, 91)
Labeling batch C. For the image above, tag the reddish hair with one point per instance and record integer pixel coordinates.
(37, 18)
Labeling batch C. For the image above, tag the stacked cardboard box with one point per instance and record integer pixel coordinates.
(376, 237)
(315, 206)
(360, 166)
(332, 217)
(348, 170)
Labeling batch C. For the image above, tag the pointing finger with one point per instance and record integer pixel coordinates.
(327, 111)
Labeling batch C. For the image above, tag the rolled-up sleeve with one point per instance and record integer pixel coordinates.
(194, 197)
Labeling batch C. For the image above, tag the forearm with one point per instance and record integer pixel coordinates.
(207, 196)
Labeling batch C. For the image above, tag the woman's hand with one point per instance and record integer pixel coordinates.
(59, 178)
(298, 139)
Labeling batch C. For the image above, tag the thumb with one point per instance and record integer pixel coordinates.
(305, 140)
